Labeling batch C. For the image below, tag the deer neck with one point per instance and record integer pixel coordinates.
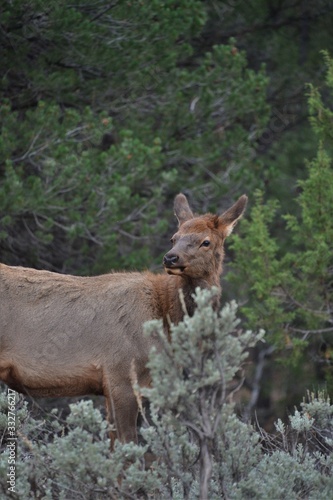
(173, 302)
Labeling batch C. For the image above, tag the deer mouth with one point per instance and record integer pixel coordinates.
(175, 270)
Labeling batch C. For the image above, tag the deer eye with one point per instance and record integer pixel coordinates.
(205, 243)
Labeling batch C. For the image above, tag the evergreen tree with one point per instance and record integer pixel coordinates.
(107, 112)
(287, 284)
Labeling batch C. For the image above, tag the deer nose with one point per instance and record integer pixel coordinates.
(170, 260)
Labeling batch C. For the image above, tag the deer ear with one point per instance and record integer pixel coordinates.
(228, 219)
(182, 209)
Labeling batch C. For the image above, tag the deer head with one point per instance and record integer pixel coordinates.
(197, 250)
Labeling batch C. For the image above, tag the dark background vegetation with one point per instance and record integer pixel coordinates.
(108, 109)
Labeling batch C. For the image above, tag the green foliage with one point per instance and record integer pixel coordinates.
(69, 193)
(109, 122)
(283, 264)
(312, 235)
(320, 114)
(288, 38)
(259, 274)
(290, 292)
(203, 449)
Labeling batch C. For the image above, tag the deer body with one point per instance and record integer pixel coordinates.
(64, 335)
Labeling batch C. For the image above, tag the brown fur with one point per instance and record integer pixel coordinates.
(65, 335)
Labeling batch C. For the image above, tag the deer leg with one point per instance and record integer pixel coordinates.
(122, 411)
(123, 416)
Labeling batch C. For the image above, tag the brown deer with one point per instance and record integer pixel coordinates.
(64, 335)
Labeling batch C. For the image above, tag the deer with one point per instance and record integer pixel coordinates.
(64, 335)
